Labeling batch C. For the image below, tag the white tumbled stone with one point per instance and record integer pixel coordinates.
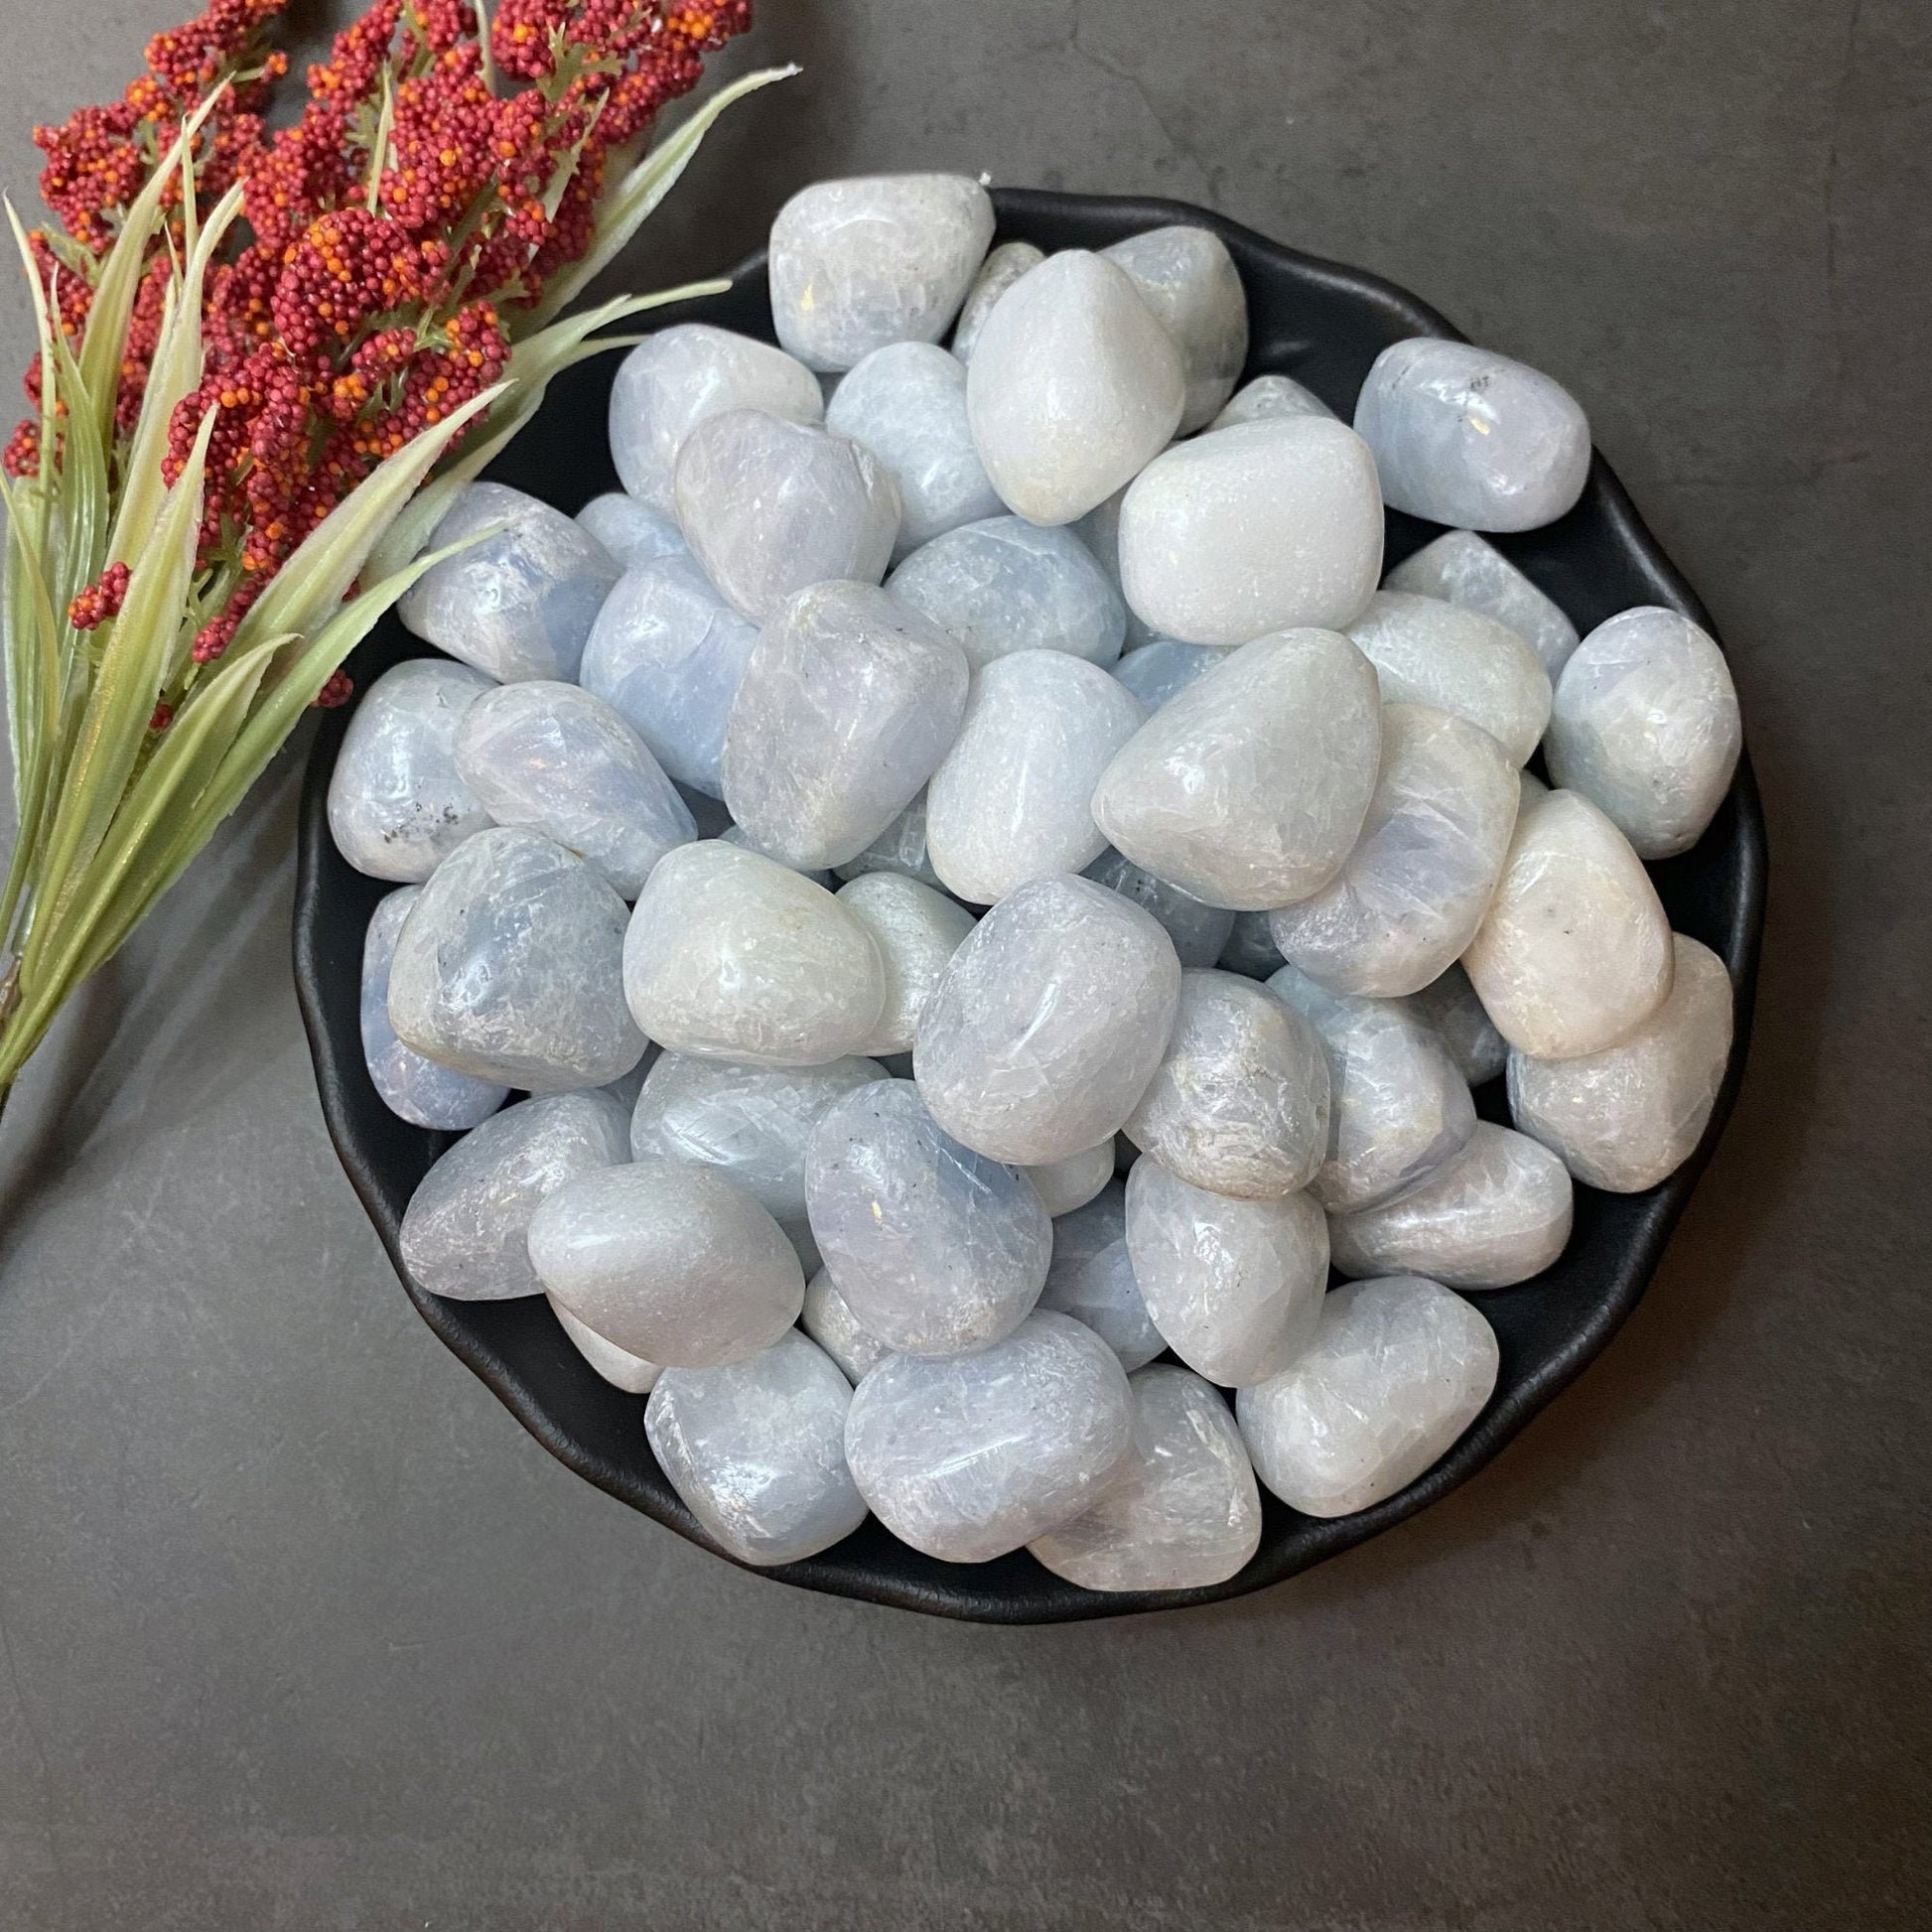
(1049, 1022)
(737, 835)
(397, 805)
(874, 259)
(518, 604)
(1003, 266)
(828, 1319)
(1627, 1117)
(1199, 931)
(1091, 1277)
(1398, 1370)
(1186, 276)
(1414, 890)
(900, 848)
(1466, 437)
(632, 532)
(769, 506)
(1182, 1510)
(973, 1456)
(1450, 1006)
(462, 1232)
(1574, 953)
(1267, 397)
(1462, 568)
(732, 956)
(1248, 790)
(1645, 725)
(1074, 385)
(1066, 1184)
(1155, 671)
(917, 930)
(617, 1366)
(1426, 652)
(1099, 531)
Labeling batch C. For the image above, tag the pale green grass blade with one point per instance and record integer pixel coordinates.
(34, 636)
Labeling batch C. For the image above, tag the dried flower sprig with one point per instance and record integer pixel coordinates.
(266, 361)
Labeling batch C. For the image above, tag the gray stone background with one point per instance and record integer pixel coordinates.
(299, 1629)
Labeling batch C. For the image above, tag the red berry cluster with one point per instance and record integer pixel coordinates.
(91, 608)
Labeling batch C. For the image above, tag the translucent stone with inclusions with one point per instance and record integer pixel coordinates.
(1267, 397)
(397, 806)
(1625, 1118)
(1005, 584)
(1066, 1184)
(1645, 725)
(768, 506)
(1397, 1107)
(422, 1092)
(750, 1123)
(1574, 953)
(936, 1249)
(1075, 387)
(463, 1234)
(1256, 528)
(1091, 1278)
(1049, 1022)
(1234, 1285)
(971, 1456)
(667, 654)
(1240, 1100)
(906, 403)
(1463, 569)
(1155, 671)
(617, 1366)
(1199, 931)
(1426, 652)
(1001, 267)
(1399, 1369)
(632, 532)
(516, 605)
(900, 847)
(1248, 790)
(1181, 1509)
(1186, 276)
(672, 381)
(876, 259)
(563, 762)
(847, 704)
(1251, 947)
(1466, 437)
(1415, 889)
(757, 1450)
(1450, 1006)
(917, 930)
(508, 967)
(670, 1262)
(732, 956)
(829, 1321)
(1496, 1214)
(1012, 800)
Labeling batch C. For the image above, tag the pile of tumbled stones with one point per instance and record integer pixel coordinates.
(947, 778)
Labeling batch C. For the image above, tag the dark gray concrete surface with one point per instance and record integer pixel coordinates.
(299, 1629)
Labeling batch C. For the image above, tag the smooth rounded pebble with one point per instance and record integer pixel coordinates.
(617, 1366)
(874, 259)
(1199, 931)
(670, 1262)
(1091, 1278)
(667, 654)
(1012, 800)
(418, 1089)
(769, 507)
(829, 1321)
(462, 1232)
(1645, 724)
(1005, 584)
(1261, 527)
(1573, 954)
(1099, 531)
(1155, 671)
(1450, 1007)
(1248, 790)
(900, 847)
(1066, 1184)
(520, 603)
(1049, 1022)
(1001, 267)
(1075, 387)
(1267, 397)
(1426, 652)
(755, 1451)
(732, 956)
(556, 758)
(397, 805)
(1186, 276)
(1415, 889)
(673, 379)
(1182, 1510)
(1398, 1108)
(1399, 1369)
(917, 930)
(1494, 1216)
(632, 532)
(508, 967)
(1462, 568)
(1627, 1117)
(1466, 437)
(974, 1455)
(1239, 1103)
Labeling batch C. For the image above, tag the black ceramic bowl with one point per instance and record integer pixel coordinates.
(1323, 325)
